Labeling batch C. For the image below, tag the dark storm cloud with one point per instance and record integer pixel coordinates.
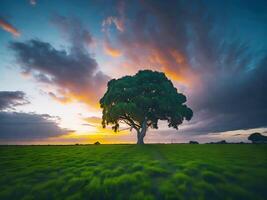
(74, 73)
(238, 101)
(16, 126)
(10, 99)
(225, 77)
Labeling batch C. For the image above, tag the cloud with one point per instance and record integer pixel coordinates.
(223, 77)
(19, 126)
(5, 25)
(74, 32)
(155, 40)
(234, 101)
(118, 22)
(93, 120)
(73, 72)
(10, 99)
(110, 50)
(16, 126)
(32, 2)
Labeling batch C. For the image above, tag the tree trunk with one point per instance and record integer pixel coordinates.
(141, 134)
(140, 138)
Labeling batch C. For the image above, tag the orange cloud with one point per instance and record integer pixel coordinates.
(111, 50)
(173, 63)
(178, 57)
(9, 28)
(148, 55)
(68, 97)
(175, 76)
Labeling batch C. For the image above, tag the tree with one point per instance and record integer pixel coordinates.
(257, 138)
(193, 142)
(140, 101)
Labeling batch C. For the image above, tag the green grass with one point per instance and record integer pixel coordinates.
(177, 171)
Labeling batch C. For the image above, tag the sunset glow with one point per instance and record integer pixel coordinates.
(55, 66)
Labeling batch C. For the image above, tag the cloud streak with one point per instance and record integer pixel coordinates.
(5, 25)
(11, 99)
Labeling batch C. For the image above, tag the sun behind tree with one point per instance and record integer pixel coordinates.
(140, 101)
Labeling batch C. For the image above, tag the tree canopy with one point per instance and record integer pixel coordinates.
(257, 138)
(140, 101)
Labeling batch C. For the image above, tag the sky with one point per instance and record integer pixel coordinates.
(58, 56)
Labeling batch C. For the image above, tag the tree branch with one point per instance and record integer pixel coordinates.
(130, 122)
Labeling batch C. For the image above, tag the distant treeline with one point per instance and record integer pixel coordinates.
(255, 138)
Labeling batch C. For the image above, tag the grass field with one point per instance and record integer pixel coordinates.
(175, 171)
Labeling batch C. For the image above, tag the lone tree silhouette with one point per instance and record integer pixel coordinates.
(140, 101)
(257, 138)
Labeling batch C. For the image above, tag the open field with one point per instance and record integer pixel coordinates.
(175, 171)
